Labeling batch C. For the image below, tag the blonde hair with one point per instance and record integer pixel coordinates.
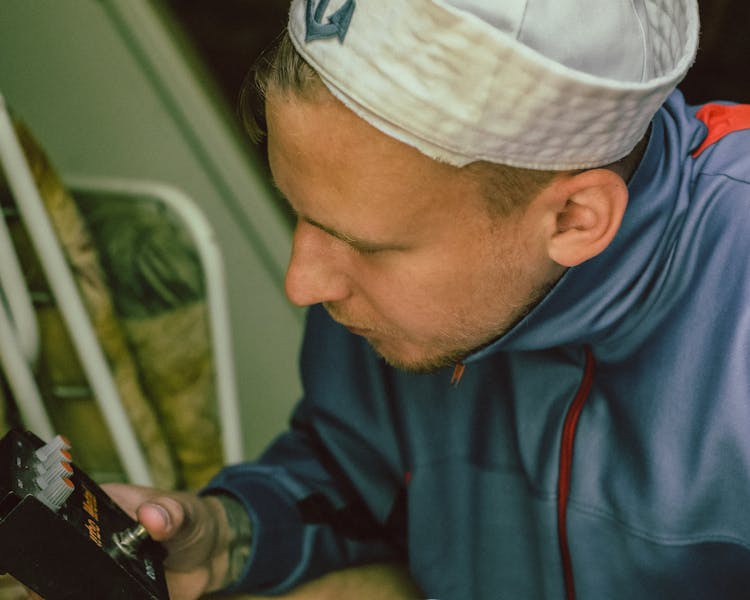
(282, 68)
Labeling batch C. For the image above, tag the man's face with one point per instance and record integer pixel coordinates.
(399, 248)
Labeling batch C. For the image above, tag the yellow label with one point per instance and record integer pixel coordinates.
(90, 504)
(95, 532)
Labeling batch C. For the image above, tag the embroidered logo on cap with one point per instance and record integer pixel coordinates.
(338, 22)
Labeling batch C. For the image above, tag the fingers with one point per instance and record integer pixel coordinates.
(160, 513)
(194, 530)
(185, 523)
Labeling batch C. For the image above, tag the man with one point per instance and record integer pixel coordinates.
(526, 365)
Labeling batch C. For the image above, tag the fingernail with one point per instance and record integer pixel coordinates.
(164, 514)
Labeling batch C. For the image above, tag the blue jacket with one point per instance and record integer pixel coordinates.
(601, 447)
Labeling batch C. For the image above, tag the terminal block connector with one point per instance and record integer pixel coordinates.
(62, 536)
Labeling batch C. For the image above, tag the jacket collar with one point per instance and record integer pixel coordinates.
(604, 299)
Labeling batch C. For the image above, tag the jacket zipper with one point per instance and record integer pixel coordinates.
(566, 464)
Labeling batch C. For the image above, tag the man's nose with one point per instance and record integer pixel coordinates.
(313, 274)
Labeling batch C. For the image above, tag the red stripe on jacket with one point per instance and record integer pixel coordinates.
(721, 120)
(566, 467)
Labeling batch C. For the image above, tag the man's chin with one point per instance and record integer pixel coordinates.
(414, 361)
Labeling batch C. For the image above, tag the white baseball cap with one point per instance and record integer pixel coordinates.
(541, 84)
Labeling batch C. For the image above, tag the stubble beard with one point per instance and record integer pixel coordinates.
(457, 350)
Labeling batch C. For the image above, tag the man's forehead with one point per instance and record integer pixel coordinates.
(356, 183)
(325, 129)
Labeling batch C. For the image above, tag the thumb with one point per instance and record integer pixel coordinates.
(162, 516)
(161, 513)
(192, 528)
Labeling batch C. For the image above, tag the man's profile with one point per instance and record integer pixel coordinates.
(525, 366)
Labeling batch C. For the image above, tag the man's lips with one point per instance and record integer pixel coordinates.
(357, 330)
(352, 328)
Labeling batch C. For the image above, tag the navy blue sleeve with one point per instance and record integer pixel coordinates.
(327, 493)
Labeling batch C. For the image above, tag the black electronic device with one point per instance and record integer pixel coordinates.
(62, 536)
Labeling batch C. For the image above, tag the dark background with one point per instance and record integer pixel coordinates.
(229, 34)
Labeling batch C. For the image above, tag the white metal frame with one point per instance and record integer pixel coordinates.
(209, 253)
(18, 328)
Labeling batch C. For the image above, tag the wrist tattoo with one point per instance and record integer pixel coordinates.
(241, 536)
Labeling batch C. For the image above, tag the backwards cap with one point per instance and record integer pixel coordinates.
(541, 84)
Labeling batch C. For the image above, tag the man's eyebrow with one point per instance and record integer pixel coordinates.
(357, 243)
(348, 239)
(337, 234)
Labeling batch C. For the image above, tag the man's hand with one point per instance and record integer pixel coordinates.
(193, 529)
(196, 534)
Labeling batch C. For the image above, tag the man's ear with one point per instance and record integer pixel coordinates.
(587, 215)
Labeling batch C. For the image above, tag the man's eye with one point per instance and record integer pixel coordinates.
(365, 250)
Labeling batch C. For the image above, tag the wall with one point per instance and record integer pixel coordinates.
(109, 91)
